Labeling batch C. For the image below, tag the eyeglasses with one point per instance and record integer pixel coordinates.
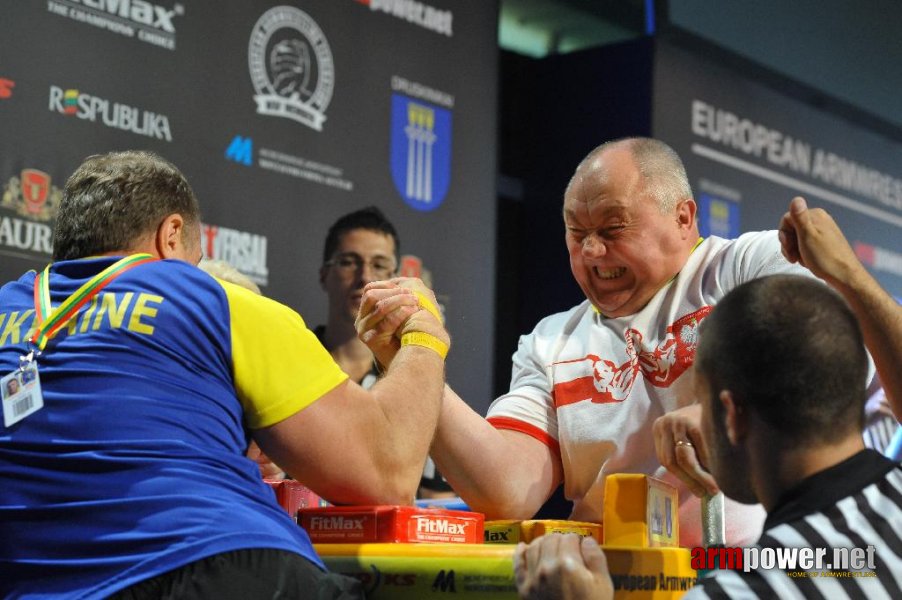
(381, 267)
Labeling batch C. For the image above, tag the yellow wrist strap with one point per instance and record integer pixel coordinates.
(427, 340)
(426, 304)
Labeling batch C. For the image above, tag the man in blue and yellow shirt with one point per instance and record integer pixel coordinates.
(123, 468)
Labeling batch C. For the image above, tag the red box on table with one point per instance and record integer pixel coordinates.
(293, 495)
(383, 524)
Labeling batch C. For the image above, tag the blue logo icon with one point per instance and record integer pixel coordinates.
(420, 152)
(241, 150)
(717, 216)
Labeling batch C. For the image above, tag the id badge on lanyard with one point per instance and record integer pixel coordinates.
(21, 392)
(21, 389)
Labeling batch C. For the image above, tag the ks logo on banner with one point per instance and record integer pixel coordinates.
(420, 152)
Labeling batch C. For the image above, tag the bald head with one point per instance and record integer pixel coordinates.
(662, 173)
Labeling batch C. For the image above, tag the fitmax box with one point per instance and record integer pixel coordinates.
(405, 524)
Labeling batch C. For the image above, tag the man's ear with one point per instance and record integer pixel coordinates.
(685, 214)
(322, 277)
(170, 238)
(735, 418)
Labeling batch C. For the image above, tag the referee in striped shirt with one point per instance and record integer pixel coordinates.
(780, 374)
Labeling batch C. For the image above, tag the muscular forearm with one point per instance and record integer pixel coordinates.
(357, 446)
(409, 400)
(500, 473)
(880, 318)
(812, 238)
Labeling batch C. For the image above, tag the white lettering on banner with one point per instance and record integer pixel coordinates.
(244, 251)
(57, 8)
(302, 168)
(427, 17)
(153, 23)
(755, 139)
(25, 235)
(156, 39)
(112, 114)
(139, 11)
(849, 175)
(418, 90)
(751, 138)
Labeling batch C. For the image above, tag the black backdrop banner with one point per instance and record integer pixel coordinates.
(283, 117)
(749, 149)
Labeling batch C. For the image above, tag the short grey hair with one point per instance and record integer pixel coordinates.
(660, 166)
(225, 271)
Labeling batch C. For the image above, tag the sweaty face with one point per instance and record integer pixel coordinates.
(622, 248)
(362, 256)
(726, 462)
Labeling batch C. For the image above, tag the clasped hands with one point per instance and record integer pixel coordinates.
(400, 311)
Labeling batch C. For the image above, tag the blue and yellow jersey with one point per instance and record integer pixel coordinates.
(135, 465)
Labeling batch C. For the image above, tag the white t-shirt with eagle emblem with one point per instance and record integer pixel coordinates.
(591, 387)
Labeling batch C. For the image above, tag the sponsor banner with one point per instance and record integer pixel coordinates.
(241, 150)
(749, 149)
(420, 158)
(291, 67)
(149, 22)
(417, 13)
(720, 129)
(244, 251)
(30, 202)
(27, 208)
(72, 102)
(289, 129)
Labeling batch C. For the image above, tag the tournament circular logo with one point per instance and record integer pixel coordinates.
(291, 66)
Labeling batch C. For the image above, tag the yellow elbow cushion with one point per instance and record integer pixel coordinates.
(427, 340)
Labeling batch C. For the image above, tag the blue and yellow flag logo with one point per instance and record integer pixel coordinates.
(420, 152)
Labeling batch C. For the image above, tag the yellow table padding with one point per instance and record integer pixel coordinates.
(473, 571)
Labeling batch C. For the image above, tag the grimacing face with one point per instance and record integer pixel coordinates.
(622, 248)
(344, 286)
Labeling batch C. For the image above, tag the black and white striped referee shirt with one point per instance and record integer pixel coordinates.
(855, 504)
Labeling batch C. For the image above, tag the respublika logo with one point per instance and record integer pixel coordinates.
(291, 67)
(32, 197)
(111, 114)
(149, 22)
(423, 15)
(420, 152)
